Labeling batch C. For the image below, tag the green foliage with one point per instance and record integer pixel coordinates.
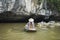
(53, 4)
(39, 1)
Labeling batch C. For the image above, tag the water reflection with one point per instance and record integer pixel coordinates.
(14, 31)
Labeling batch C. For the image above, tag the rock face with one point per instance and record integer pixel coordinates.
(24, 7)
(43, 9)
(17, 6)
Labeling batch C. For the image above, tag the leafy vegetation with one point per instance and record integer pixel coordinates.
(52, 4)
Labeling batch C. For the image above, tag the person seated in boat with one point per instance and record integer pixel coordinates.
(31, 22)
(30, 25)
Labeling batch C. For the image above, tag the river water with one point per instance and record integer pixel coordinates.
(15, 31)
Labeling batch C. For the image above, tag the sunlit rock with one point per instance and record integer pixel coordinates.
(42, 25)
(50, 24)
(57, 24)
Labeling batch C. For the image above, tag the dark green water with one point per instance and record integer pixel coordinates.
(14, 31)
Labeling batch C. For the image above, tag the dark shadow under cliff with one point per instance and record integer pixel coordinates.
(12, 17)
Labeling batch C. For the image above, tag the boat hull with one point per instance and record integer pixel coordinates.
(30, 30)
